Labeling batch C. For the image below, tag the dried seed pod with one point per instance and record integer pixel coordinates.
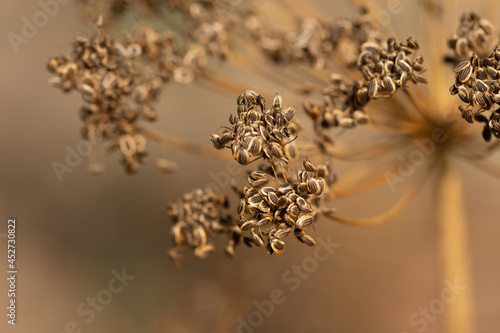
(462, 66)
(166, 166)
(463, 94)
(389, 85)
(291, 151)
(313, 186)
(127, 145)
(465, 74)
(461, 47)
(258, 183)
(282, 201)
(255, 200)
(204, 251)
(282, 233)
(481, 86)
(241, 207)
(372, 88)
(257, 238)
(304, 222)
(264, 221)
(242, 156)
(199, 236)
(308, 240)
(273, 198)
(216, 142)
(308, 165)
(246, 225)
(277, 245)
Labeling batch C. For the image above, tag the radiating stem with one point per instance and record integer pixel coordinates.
(183, 145)
(454, 250)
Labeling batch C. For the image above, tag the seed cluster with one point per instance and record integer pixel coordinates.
(271, 210)
(208, 24)
(473, 35)
(477, 75)
(314, 41)
(120, 81)
(477, 83)
(198, 221)
(385, 68)
(257, 132)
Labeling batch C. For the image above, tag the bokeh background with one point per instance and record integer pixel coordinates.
(72, 234)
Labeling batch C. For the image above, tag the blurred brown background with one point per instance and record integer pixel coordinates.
(71, 235)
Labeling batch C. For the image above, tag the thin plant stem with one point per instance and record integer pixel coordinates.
(454, 249)
(183, 145)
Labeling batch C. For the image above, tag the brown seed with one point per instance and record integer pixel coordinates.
(277, 102)
(496, 98)
(265, 221)
(166, 166)
(241, 207)
(486, 133)
(285, 189)
(257, 238)
(461, 47)
(291, 151)
(461, 66)
(216, 142)
(289, 220)
(463, 94)
(127, 145)
(308, 165)
(481, 86)
(495, 125)
(204, 251)
(293, 210)
(389, 85)
(246, 225)
(308, 240)
(277, 245)
(282, 201)
(226, 137)
(282, 233)
(465, 74)
(372, 88)
(255, 200)
(322, 187)
(304, 222)
(199, 236)
(273, 198)
(313, 186)
(480, 100)
(404, 65)
(486, 26)
(242, 157)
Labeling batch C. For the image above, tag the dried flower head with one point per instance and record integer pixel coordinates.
(259, 132)
(198, 220)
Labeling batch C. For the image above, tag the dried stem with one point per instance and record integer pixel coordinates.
(454, 249)
(394, 211)
(181, 144)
